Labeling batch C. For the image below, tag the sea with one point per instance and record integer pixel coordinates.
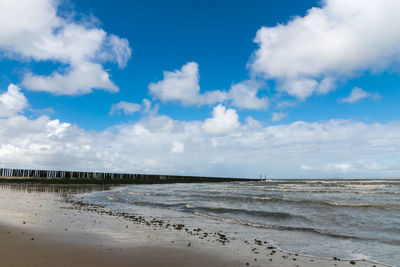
(343, 218)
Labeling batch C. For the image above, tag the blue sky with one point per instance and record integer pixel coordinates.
(216, 35)
(234, 88)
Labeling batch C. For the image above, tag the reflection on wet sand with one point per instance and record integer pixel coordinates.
(54, 189)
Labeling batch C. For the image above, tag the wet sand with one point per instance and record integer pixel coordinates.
(39, 228)
(21, 248)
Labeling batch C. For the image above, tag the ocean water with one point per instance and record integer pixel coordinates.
(348, 219)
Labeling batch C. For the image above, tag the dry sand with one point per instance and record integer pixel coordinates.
(40, 229)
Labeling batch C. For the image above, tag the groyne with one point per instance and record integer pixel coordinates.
(57, 176)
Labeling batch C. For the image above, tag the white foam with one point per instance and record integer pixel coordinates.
(262, 198)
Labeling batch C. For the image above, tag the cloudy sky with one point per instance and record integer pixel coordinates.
(221, 88)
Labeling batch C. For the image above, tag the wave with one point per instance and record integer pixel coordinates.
(330, 187)
(209, 196)
(144, 203)
(257, 198)
(366, 186)
(378, 192)
(329, 203)
(157, 204)
(395, 230)
(341, 204)
(262, 198)
(363, 205)
(257, 225)
(258, 213)
(304, 190)
(292, 228)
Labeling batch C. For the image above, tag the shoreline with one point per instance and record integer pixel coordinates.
(130, 238)
(221, 238)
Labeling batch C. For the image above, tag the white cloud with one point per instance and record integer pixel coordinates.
(79, 79)
(183, 86)
(252, 123)
(333, 42)
(177, 147)
(116, 49)
(126, 107)
(244, 95)
(286, 104)
(12, 101)
(357, 94)
(311, 149)
(307, 167)
(224, 121)
(179, 85)
(341, 167)
(217, 146)
(326, 85)
(31, 29)
(300, 88)
(356, 166)
(278, 116)
(146, 106)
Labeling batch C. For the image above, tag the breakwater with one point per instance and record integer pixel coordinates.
(8, 174)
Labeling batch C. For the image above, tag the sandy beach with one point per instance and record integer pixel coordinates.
(23, 248)
(38, 228)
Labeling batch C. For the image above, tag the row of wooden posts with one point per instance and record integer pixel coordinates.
(53, 174)
(27, 173)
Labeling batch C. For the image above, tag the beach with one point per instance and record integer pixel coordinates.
(22, 247)
(42, 226)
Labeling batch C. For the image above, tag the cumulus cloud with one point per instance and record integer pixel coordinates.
(342, 167)
(33, 30)
(311, 149)
(336, 41)
(252, 123)
(357, 94)
(286, 104)
(126, 107)
(12, 101)
(79, 79)
(179, 85)
(217, 146)
(355, 166)
(224, 121)
(177, 147)
(244, 95)
(278, 116)
(116, 49)
(183, 86)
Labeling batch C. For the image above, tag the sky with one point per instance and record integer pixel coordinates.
(286, 89)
